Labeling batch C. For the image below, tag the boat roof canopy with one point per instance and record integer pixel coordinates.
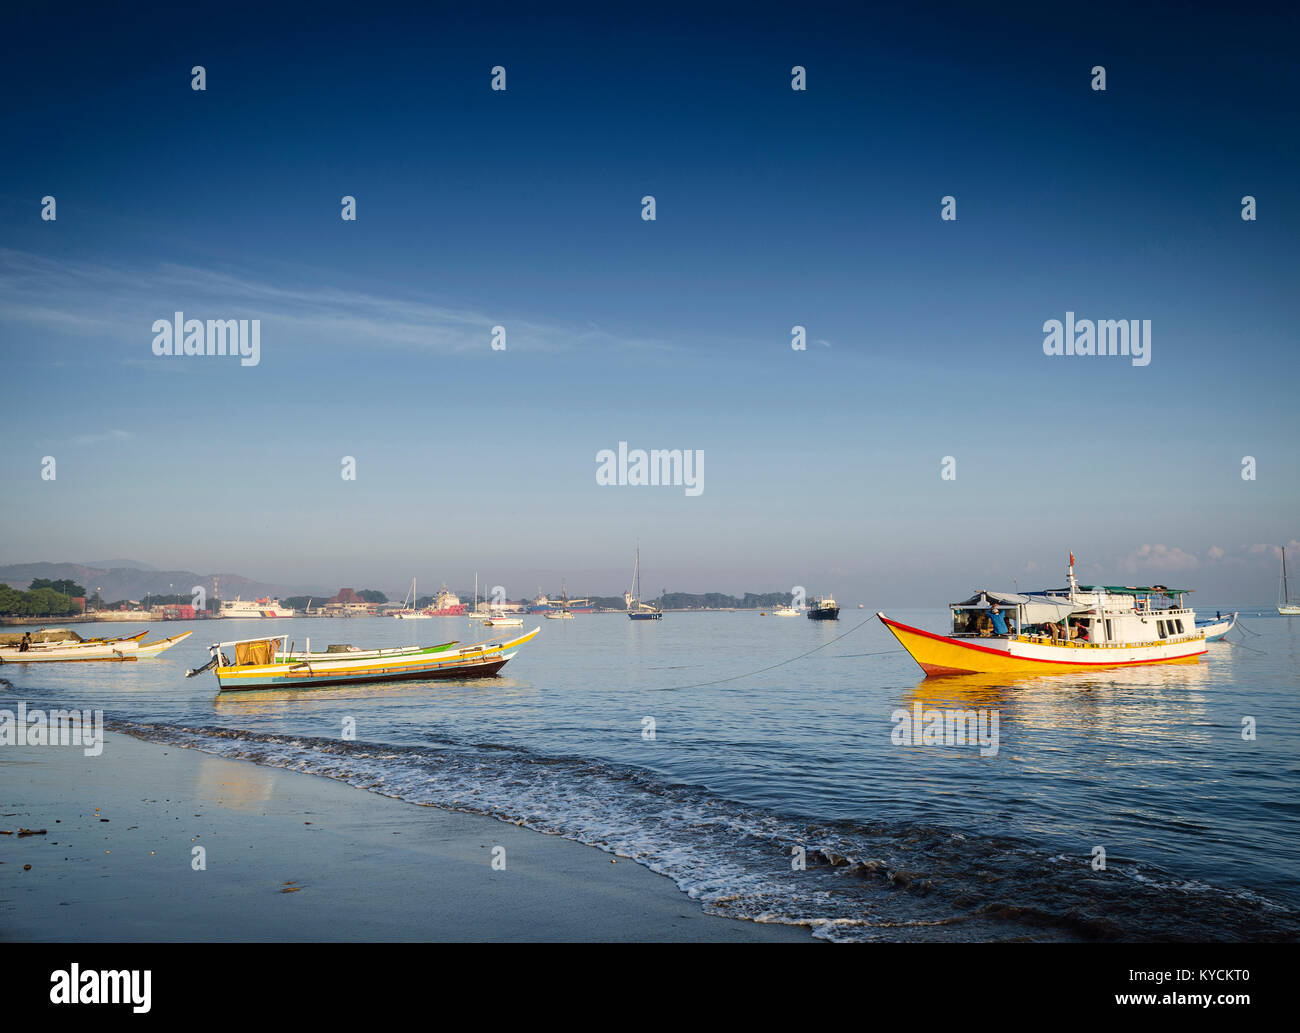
(1135, 589)
(1039, 609)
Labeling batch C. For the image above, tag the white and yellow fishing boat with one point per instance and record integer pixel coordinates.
(271, 663)
(128, 648)
(1077, 628)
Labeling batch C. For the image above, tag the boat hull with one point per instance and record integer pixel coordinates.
(115, 651)
(941, 655)
(432, 663)
(1289, 611)
(824, 614)
(1215, 630)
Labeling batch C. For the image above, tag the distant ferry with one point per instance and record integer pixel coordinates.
(241, 608)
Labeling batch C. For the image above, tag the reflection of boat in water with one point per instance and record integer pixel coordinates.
(1217, 627)
(268, 663)
(129, 648)
(1076, 628)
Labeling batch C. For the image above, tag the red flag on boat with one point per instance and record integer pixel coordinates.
(1072, 559)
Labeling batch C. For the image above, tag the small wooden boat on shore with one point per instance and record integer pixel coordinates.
(270, 663)
(1077, 628)
(129, 648)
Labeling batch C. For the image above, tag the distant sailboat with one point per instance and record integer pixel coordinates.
(410, 613)
(563, 613)
(636, 609)
(1287, 607)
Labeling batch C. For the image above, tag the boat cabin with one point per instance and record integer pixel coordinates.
(1092, 615)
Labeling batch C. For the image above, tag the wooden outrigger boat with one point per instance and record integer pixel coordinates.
(129, 648)
(1078, 628)
(270, 663)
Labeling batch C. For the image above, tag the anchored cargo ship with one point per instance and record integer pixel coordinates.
(1076, 628)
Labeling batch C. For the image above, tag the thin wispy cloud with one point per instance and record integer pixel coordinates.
(120, 304)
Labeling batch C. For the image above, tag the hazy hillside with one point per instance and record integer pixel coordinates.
(135, 583)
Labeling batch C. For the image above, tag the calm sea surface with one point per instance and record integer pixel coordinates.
(1200, 826)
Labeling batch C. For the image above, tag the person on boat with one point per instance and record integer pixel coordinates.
(1080, 631)
(999, 621)
(1053, 630)
(26, 642)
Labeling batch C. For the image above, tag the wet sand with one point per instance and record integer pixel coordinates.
(116, 862)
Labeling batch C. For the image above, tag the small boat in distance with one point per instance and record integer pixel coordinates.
(1287, 608)
(1057, 631)
(785, 611)
(269, 663)
(563, 613)
(408, 612)
(823, 609)
(1218, 626)
(636, 609)
(132, 648)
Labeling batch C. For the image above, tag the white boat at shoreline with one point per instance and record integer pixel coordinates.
(131, 648)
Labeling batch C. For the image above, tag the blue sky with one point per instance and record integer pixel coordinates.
(775, 208)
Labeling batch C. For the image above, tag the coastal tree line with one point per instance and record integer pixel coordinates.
(43, 598)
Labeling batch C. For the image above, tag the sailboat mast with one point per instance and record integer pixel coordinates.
(1286, 589)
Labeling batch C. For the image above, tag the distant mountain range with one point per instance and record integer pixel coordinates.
(127, 579)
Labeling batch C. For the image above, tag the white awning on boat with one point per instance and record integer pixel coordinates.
(1038, 609)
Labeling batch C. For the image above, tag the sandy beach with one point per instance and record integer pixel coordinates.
(296, 857)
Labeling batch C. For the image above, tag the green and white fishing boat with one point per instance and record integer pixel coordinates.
(271, 663)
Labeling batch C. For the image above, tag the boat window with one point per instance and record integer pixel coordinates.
(1180, 626)
(1161, 626)
(1109, 634)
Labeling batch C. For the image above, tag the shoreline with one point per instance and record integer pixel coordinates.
(290, 856)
